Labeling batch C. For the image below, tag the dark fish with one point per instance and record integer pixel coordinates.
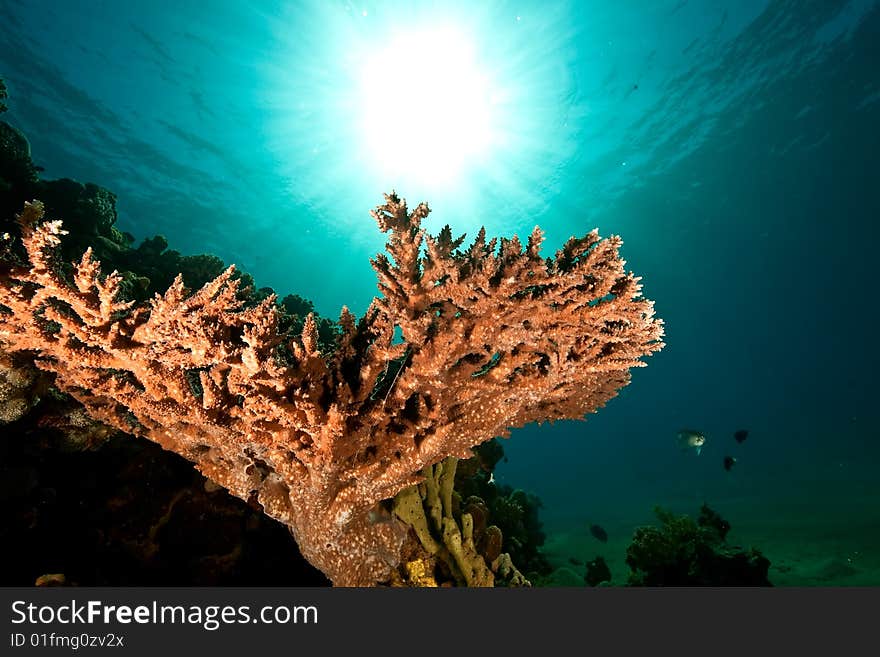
(728, 462)
(575, 562)
(741, 435)
(598, 533)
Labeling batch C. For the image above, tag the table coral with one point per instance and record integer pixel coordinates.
(494, 337)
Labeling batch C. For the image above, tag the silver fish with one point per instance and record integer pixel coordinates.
(690, 439)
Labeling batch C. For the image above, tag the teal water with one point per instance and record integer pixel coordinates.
(733, 145)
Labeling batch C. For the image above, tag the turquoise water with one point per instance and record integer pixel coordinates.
(733, 145)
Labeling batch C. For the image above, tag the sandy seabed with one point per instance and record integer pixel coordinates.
(828, 542)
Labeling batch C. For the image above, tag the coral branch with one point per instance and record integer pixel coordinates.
(494, 337)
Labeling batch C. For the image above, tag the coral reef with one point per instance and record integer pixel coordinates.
(597, 572)
(682, 552)
(90, 216)
(514, 512)
(85, 508)
(447, 536)
(459, 534)
(312, 422)
(505, 525)
(493, 338)
(21, 385)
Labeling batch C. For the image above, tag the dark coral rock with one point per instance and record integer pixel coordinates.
(682, 552)
(199, 269)
(296, 309)
(479, 512)
(15, 157)
(514, 512)
(87, 209)
(133, 286)
(18, 174)
(293, 304)
(489, 454)
(75, 429)
(491, 544)
(467, 468)
(125, 512)
(597, 572)
(21, 386)
(709, 518)
(152, 247)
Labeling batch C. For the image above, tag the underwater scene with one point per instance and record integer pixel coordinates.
(562, 293)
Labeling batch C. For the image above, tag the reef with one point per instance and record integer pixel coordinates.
(685, 552)
(320, 433)
(84, 505)
(475, 532)
(597, 572)
(513, 511)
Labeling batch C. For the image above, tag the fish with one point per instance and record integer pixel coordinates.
(599, 533)
(690, 439)
(741, 435)
(729, 461)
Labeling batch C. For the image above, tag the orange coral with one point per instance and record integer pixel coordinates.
(494, 337)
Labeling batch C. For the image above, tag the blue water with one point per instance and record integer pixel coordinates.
(732, 143)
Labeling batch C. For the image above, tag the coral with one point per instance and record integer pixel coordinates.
(494, 337)
(508, 575)
(490, 543)
(682, 552)
(70, 420)
(297, 310)
(420, 572)
(90, 209)
(514, 513)
(21, 385)
(126, 512)
(597, 572)
(51, 579)
(430, 509)
(90, 215)
(15, 158)
(711, 519)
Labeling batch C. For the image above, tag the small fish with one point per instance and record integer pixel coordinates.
(729, 461)
(599, 533)
(575, 562)
(690, 439)
(741, 435)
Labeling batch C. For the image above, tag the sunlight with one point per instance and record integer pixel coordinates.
(461, 104)
(426, 106)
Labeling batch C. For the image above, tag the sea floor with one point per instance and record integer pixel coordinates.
(834, 543)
